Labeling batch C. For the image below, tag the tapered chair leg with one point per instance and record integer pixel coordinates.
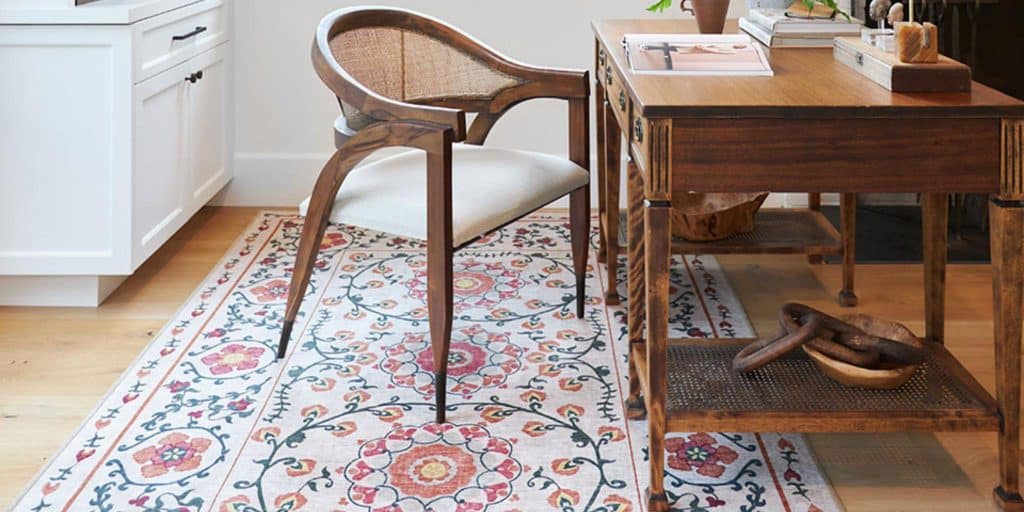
(439, 265)
(313, 229)
(579, 226)
(439, 306)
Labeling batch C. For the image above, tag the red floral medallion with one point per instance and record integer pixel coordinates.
(701, 453)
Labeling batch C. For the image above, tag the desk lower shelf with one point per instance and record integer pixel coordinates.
(777, 231)
(792, 395)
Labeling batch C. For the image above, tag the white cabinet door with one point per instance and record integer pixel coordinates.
(159, 200)
(208, 115)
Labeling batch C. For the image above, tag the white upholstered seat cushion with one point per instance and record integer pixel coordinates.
(490, 188)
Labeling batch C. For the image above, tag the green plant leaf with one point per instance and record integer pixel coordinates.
(660, 6)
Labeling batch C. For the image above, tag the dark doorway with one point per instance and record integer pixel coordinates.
(987, 35)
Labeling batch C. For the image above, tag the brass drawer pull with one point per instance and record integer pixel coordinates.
(602, 58)
(608, 75)
(638, 129)
(622, 101)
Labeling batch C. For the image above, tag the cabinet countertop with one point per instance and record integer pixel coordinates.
(101, 12)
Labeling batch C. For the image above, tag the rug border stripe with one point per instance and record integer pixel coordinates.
(228, 254)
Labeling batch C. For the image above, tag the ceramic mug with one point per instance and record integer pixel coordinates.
(710, 14)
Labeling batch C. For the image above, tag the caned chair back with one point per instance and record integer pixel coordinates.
(406, 57)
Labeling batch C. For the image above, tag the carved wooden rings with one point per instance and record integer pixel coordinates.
(842, 341)
(762, 352)
(828, 335)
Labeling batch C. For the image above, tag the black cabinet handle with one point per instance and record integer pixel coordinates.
(638, 129)
(195, 77)
(190, 35)
(622, 101)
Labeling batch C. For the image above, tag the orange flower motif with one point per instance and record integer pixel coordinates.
(390, 414)
(612, 434)
(563, 498)
(536, 357)
(174, 452)
(492, 414)
(570, 410)
(291, 501)
(344, 429)
(301, 467)
(313, 411)
(533, 324)
(533, 395)
(617, 503)
(547, 346)
(565, 314)
(265, 434)
(356, 396)
(324, 385)
(534, 429)
(570, 384)
(548, 370)
(564, 467)
(235, 503)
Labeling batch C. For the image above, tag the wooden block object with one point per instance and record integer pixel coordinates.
(917, 43)
(885, 69)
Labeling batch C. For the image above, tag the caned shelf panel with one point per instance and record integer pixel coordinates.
(792, 395)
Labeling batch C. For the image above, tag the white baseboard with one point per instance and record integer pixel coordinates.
(271, 179)
(57, 291)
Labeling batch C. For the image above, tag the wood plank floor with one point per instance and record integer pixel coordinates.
(55, 364)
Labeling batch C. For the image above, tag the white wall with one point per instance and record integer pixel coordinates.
(284, 115)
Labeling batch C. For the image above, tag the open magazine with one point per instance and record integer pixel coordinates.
(696, 55)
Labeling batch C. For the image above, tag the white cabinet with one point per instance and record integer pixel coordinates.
(208, 116)
(111, 137)
(180, 147)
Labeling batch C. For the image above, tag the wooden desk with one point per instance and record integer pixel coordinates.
(816, 126)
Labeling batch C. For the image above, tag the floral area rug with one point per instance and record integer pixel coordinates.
(206, 420)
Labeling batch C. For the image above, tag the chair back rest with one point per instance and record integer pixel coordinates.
(407, 57)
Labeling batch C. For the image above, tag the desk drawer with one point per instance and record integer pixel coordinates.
(171, 38)
(639, 130)
(618, 99)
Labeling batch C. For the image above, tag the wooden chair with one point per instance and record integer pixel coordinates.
(405, 79)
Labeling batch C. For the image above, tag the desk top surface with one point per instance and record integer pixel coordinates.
(808, 82)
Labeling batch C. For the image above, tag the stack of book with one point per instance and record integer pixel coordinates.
(774, 28)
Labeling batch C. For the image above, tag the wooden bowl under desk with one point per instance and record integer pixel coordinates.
(708, 217)
(855, 376)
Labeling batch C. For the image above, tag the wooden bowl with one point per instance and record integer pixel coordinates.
(709, 217)
(855, 376)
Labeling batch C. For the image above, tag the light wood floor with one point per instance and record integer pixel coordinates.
(55, 364)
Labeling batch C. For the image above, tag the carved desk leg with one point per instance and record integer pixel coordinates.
(635, 226)
(599, 101)
(657, 254)
(935, 219)
(1006, 213)
(848, 228)
(612, 166)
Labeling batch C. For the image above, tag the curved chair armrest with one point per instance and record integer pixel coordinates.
(570, 85)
